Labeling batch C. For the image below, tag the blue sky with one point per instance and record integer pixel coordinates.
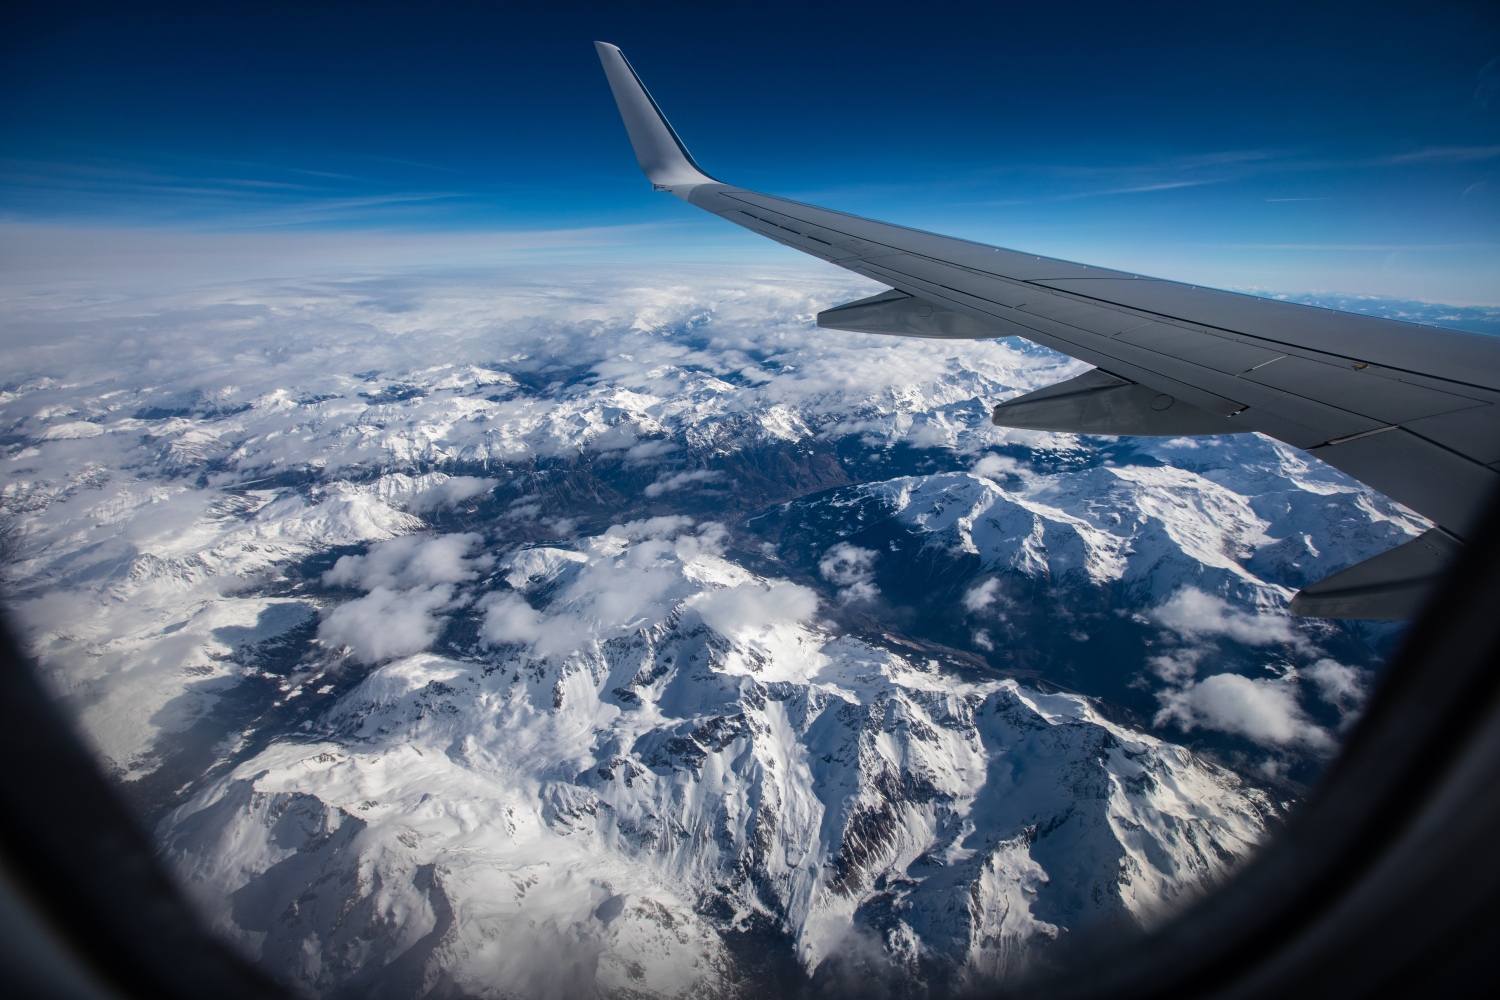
(1290, 147)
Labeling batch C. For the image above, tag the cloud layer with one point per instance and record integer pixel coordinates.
(410, 580)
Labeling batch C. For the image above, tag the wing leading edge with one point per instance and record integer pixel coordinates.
(1413, 411)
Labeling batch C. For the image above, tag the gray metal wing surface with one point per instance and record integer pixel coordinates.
(1411, 410)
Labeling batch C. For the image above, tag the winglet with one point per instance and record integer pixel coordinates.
(662, 155)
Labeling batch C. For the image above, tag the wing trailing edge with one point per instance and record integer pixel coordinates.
(903, 315)
(1097, 402)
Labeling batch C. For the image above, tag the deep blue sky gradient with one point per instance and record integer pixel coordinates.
(1353, 147)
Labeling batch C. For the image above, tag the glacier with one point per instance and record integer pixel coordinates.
(618, 632)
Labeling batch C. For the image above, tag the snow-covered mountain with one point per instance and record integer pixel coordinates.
(670, 751)
(512, 635)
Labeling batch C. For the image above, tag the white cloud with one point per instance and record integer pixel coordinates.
(629, 576)
(411, 561)
(750, 373)
(646, 451)
(1177, 665)
(451, 492)
(1337, 684)
(981, 595)
(1193, 614)
(982, 639)
(293, 367)
(509, 619)
(1263, 711)
(666, 526)
(852, 570)
(677, 481)
(409, 580)
(994, 466)
(385, 624)
(749, 607)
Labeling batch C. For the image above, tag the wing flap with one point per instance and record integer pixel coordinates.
(904, 315)
(1389, 586)
(1097, 402)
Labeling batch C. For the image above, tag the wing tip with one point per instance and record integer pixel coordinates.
(661, 153)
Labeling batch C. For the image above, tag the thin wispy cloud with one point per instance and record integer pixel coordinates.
(112, 189)
(1442, 154)
(1487, 89)
(422, 165)
(1147, 188)
(1052, 182)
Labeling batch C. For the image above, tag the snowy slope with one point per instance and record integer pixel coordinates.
(601, 813)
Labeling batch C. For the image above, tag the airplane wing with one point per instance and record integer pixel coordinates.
(1411, 410)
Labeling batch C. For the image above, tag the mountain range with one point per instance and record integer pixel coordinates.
(526, 634)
